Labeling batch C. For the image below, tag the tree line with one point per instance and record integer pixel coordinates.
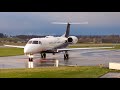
(99, 39)
(81, 38)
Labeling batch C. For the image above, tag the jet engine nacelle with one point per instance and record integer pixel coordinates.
(72, 39)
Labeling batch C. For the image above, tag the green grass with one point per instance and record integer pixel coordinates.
(11, 52)
(116, 46)
(53, 72)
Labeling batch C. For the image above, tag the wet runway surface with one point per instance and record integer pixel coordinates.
(111, 75)
(80, 58)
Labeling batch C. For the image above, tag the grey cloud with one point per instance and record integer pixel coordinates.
(41, 21)
(94, 18)
(29, 18)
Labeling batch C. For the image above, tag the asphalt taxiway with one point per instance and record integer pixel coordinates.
(111, 75)
(80, 58)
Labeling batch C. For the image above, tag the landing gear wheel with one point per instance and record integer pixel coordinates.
(66, 56)
(30, 59)
(53, 53)
(43, 55)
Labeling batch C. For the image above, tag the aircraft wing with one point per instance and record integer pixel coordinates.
(70, 49)
(14, 46)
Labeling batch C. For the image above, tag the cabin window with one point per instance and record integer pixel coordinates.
(29, 42)
(35, 42)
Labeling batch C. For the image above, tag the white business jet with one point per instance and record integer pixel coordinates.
(51, 44)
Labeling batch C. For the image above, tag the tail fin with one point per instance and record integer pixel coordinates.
(67, 31)
(68, 27)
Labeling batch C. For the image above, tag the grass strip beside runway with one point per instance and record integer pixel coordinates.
(116, 46)
(11, 52)
(53, 72)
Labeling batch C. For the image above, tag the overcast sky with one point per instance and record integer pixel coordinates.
(39, 23)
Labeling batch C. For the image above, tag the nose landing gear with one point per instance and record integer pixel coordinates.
(30, 63)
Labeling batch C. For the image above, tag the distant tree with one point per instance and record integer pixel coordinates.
(2, 35)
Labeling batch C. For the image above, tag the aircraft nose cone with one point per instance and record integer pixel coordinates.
(31, 49)
(26, 49)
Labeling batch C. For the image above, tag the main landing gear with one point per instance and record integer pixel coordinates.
(66, 55)
(43, 55)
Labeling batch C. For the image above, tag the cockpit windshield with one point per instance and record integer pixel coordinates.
(29, 42)
(34, 42)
